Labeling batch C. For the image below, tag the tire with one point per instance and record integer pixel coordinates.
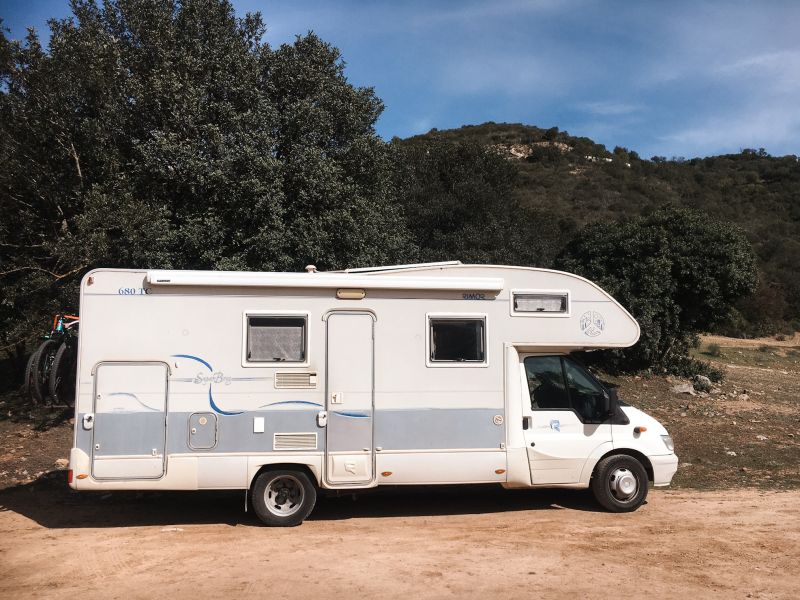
(41, 370)
(283, 498)
(28, 384)
(61, 382)
(619, 483)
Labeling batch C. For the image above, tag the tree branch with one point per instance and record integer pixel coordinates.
(56, 276)
(21, 245)
(77, 162)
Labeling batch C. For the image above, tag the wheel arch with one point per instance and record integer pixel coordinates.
(648, 466)
(285, 466)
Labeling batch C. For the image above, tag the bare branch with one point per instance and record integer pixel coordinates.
(77, 162)
(21, 245)
(56, 276)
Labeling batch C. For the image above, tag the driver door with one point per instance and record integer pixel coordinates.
(563, 415)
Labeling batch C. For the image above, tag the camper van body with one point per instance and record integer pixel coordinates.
(406, 375)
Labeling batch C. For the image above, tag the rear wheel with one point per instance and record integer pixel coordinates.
(61, 381)
(41, 370)
(619, 483)
(283, 498)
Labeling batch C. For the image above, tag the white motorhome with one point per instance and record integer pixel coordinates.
(284, 384)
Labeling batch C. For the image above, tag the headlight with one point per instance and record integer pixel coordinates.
(668, 442)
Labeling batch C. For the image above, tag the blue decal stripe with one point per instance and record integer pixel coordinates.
(351, 415)
(135, 397)
(189, 356)
(292, 402)
(217, 408)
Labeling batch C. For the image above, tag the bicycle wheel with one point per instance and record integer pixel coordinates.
(41, 370)
(28, 384)
(61, 383)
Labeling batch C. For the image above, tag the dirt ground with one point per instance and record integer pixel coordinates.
(473, 543)
(728, 528)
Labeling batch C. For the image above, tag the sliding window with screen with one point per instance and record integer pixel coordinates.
(275, 338)
(540, 303)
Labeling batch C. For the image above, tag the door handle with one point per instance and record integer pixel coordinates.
(88, 421)
(527, 422)
(322, 418)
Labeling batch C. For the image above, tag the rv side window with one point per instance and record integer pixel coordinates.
(541, 303)
(458, 340)
(276, 339)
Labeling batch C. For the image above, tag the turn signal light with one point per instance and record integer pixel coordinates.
(82, 476)
(639, 429)
(499, 471)
(386, 473)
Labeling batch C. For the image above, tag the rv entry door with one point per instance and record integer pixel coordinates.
(130, 426)
(349, 392)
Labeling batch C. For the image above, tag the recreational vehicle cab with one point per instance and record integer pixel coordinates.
(284, 384)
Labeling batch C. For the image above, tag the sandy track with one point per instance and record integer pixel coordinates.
(443, 544)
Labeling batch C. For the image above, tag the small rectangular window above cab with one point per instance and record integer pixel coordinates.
(540, 303)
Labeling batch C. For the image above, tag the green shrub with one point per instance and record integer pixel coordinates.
(683, 366)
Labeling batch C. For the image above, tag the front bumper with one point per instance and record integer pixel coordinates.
(664, 468)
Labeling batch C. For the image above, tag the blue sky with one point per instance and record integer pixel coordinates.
(662, 78)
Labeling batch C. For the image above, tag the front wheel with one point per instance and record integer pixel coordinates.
(619, 483)
(30, 382)
(283, 498)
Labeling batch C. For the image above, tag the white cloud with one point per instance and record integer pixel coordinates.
(764, 126)
(610, 108)
(474, 12)
(421, 125)
(505, 74)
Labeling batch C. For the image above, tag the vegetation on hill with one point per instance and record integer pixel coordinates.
(677, 270)
(576, 180)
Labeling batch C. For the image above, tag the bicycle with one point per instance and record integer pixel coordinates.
(50, 371)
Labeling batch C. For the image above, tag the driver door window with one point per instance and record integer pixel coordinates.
(557, 383)
(546, 383)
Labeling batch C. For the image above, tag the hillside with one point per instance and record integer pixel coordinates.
(577, 179)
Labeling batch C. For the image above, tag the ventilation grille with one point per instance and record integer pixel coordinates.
(294, 441)
(296, 380)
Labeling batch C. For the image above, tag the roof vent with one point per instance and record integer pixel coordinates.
(311, 269)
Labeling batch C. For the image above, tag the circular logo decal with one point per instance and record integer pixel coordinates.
(592, 323)
(498, 420)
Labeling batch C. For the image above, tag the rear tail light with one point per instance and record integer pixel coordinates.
(69, 476)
